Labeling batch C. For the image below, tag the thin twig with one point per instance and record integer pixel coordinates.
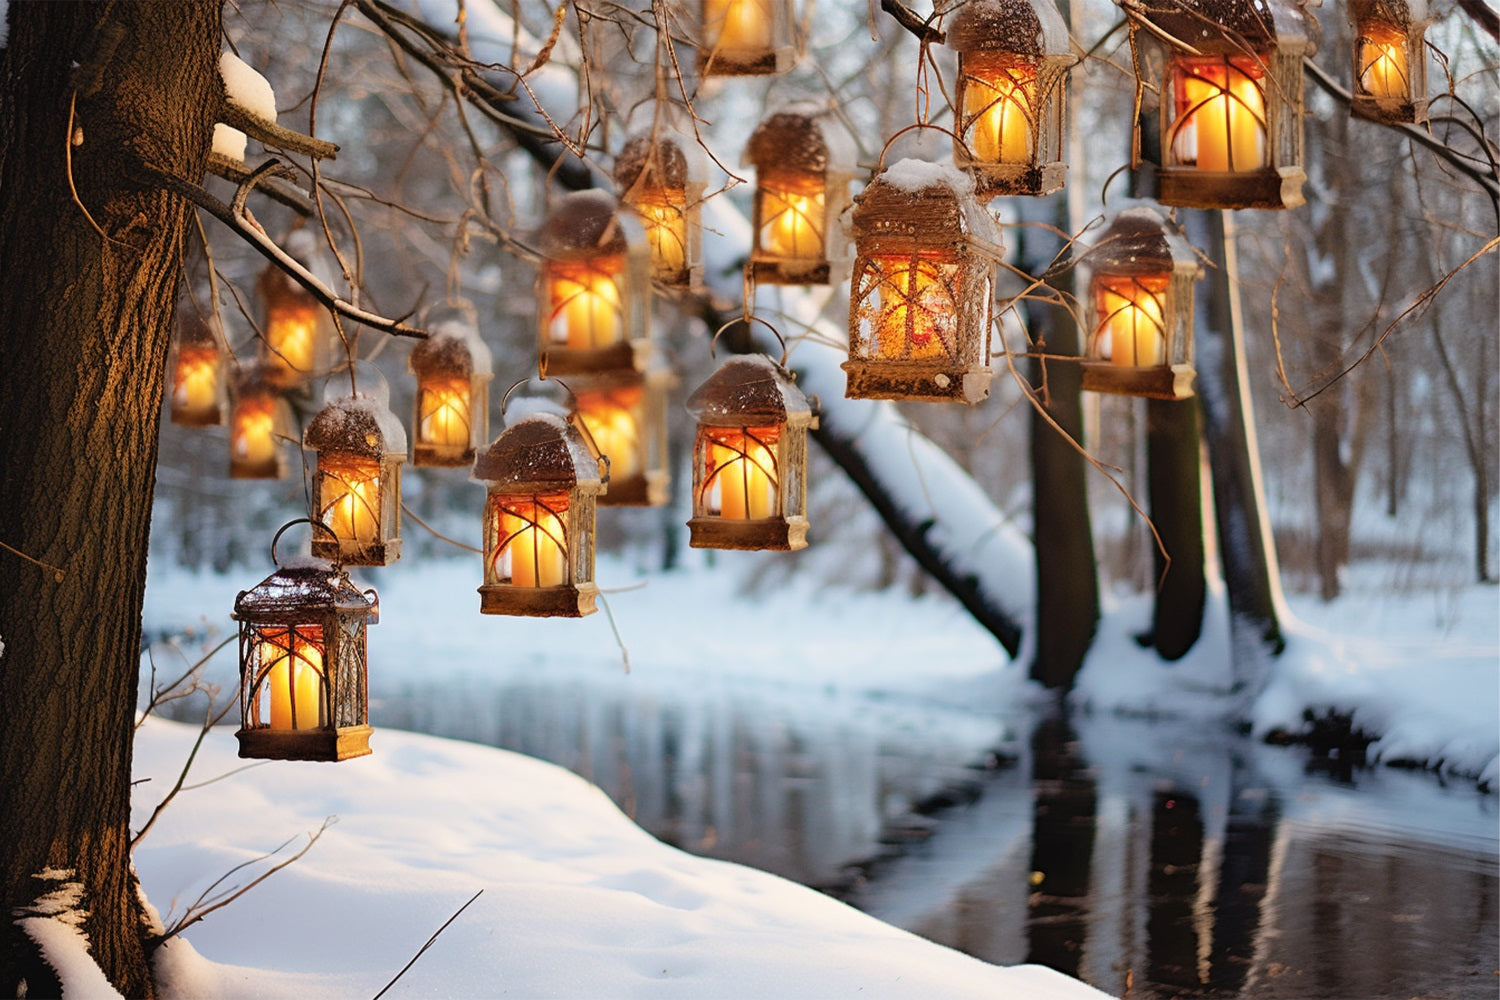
(434, 937)
(209, 721)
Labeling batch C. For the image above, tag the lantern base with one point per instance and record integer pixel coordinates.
(271, 469)
(773, 533)
(791, 272)
(208, 416)
(915, 381)
(1187, 187)
(562, 360)
(441, 456)
(1033, 179)
(1148, 381)
(264, 743)
(1388, 111)
(645, 489)
(567, 601)
(765, 62)
(352, 553)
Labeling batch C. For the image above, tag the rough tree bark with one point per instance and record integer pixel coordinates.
(84, 326)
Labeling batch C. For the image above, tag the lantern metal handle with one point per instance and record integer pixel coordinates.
(302, 520)
(748, 320)
(880, 163)
(575, 419)
(572, 396)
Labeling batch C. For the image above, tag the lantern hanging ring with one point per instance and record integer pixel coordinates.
(301, 520)
(572, 396)
(574, 418)
(747, 320)
(880, 163)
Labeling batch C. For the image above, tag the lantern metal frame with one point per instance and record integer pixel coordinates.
(1013, 56)
(776, 55)
(453, 355)
(926, 253)
(308, 603)
(198, 340)
(1381, 25)
(1142, 248)
(252, 390)
(641, 479)
(586, 240)
(287, 307)
(357, 440)
(751, 402)
(1258, 44)
(801, 155)
(532, 464)
(661, 177)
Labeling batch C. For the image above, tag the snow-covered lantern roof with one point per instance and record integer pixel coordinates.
(297, 332)
(661, 176)
(360, 445)
(258, 424)
(303, 663)
(1141, 272)
(1390, 60)
(924, 276)
(746, 37)
(750, 458)
(453, 370)
(542, 486)
(625, 414)
(198, 383)
(1230, 86)
(1013, 59)
(593, 290)
(804, 160)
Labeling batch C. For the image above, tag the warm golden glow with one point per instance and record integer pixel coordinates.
(195, 383)
(291, 672)
(791, 219)
(253, 439)
(587, 307)
(999, 107)
(1221, 114)
(1381, 62)
(740, 481)
(666, 230)
(443, 412)
(738, 28)
(915, 311)
(292, 336)
(1132, 328)
(349, 495)
(613, 420)
(532, 546)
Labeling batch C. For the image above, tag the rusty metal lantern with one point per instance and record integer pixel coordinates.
(298, 335)
(542, 485)
(661, 176)
(304, 688)
(453, 371)
(625, 414)
(593, 293)
(1231, 100)
(360, 445)
(804, 161)
(258, 424)
(197, 367)
(1390, 60)
(746, 37)
(919, 304)
(1140, 308)
(750, 458)
(1013, 59)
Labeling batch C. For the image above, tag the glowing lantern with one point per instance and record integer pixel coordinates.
(1140, 308)
(626, 417)
(298, 333)
(258, 424)
(593, 292)
(750, 458)
(360, 446)
(453, 373)
(1013, 57)
(1231, 111)
(197, 367)
(662, 179)
(542, 484)
(746, 38)
(803, 162)
(919, 305)
(303, 683)
(1390, 63)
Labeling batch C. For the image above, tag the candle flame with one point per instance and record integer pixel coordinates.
(1221, 114)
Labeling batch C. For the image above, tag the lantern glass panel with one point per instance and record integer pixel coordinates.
(614, 419)
(1381, 61)
(444, 412)
(293, 326)
(1220, 124)
(663, 214)
(586, 303)
(348, 492)
(195, 384)
(908, 307)
(1132, 328)
(253, 441)
(999, 107)
(528, 540)
(740, 480)
(288, 682)
(793, 217)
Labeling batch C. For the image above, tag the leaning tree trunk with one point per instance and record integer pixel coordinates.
(84, 324)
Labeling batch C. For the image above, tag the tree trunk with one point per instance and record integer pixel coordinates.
(1176, 488)
(84, 327)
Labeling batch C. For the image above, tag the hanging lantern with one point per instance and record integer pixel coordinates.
(750, 458)
(919, 305)
(542, 483)
(1231, 111)
(1013, 58)
(625, 414)
(1140, 308)
(803, 164)
(258, 423)
(303, 681)
(197, 367)
(593, 290)
(746, 38)
(453, 373)
(661, 177)
(298, 335)
(360, 446)
(1390, 60)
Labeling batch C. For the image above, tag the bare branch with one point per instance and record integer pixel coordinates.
(435, 933)
(271, 134)
(907, 18)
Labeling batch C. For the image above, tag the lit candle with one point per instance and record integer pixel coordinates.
(999, 96)
(1225, 117)
(536, 545)
(612, 423)
(196, 381)
(292, 672)
(792, 222)
(744, 26)
(351, 497)
(586, 307)
(444, 412)
(666, 230)
(1382, 62)
(915, 309)
(742, 473)
(1131, 321)
(291, 336)
(254, 440)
